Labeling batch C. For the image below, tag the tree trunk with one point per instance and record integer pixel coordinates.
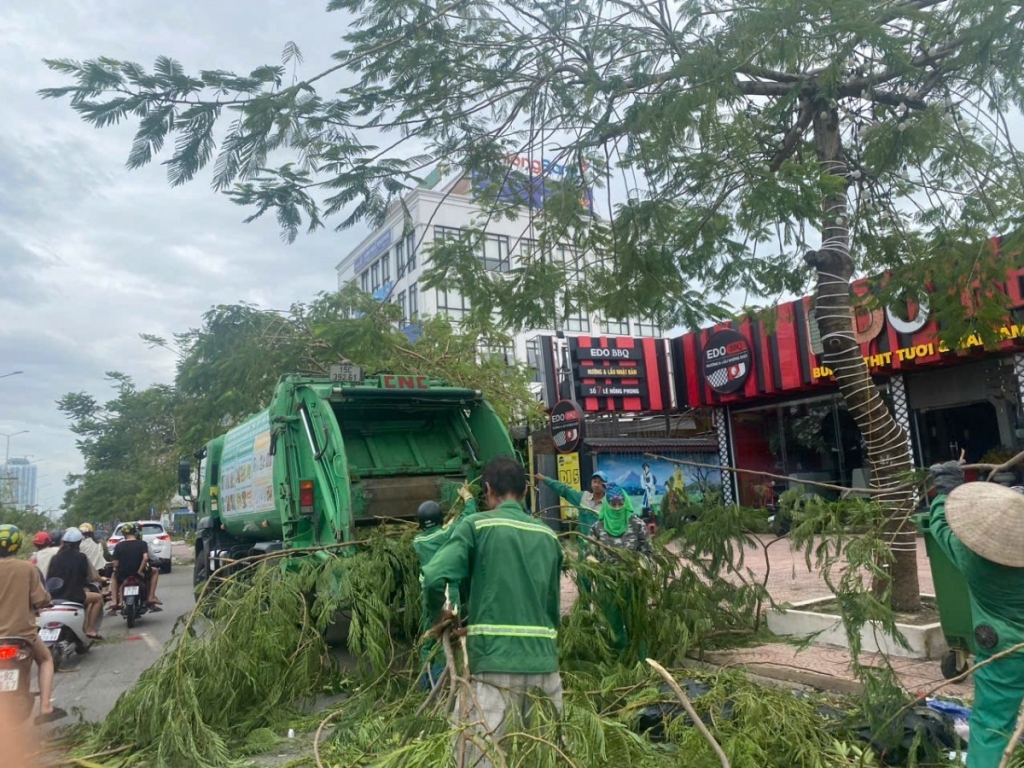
(887, 444)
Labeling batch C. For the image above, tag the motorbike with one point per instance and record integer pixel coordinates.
(62, 626)
(133, 599)
(16, 677)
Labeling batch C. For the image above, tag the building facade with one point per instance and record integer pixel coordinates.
(18, 483)
(389, 265)
(777, 407)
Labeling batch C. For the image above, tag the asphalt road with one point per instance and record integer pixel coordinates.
(91, 683)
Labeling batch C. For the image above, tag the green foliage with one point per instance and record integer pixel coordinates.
(127, 444)
(694, 134)
(254, 648)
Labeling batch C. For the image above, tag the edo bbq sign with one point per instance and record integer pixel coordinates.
(619, 373)
(566, 426)
(785, 353)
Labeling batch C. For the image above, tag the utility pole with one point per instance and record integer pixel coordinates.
(12, 373)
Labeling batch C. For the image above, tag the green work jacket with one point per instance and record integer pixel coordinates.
(426, 545)
(513, 564)
(997, 600)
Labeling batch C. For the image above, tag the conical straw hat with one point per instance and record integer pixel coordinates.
(989, 520)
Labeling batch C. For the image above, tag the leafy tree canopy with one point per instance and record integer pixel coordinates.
(690, 121)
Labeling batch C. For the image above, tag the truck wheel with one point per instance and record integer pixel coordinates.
(951, 665)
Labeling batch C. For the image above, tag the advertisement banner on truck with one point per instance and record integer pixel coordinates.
(247, 469)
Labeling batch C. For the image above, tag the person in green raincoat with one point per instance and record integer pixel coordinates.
(432, 536)
(980, 527)
(619, 528)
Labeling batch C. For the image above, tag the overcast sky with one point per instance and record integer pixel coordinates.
(92, 255)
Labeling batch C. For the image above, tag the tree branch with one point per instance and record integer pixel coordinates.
(697, 722)
(789, 143)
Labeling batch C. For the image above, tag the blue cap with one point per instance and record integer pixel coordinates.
(602, 476)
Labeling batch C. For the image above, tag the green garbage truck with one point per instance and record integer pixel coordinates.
(329, 457)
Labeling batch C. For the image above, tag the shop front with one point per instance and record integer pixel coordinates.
(777, 408)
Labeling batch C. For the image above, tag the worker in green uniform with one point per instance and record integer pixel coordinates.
(513, 563)
(980, 527)
(426, 543)
(587, 504)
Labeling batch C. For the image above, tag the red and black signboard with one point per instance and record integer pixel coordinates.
(621, 374)
(750, 358)
(566, 426)
(727, 361)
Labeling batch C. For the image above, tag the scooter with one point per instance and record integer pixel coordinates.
(133, 599)
(62, 626)
(16, 693)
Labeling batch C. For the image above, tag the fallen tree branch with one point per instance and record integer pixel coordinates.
(1014, 739)
(995, 469)
(697, 722)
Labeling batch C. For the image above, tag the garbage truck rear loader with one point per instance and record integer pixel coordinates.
(326, 458)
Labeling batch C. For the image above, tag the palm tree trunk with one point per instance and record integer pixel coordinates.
(887, 445)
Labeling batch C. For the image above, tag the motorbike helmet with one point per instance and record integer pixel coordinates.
(429, 514)
(42, 539)
(137, 530)
(127, 529)
(55, 537)
(86, 528)
(72, 536)
(10, 540)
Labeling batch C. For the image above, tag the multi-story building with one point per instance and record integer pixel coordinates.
(18, 483)
(389, 264)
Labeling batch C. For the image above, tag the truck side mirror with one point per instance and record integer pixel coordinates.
(184, 479)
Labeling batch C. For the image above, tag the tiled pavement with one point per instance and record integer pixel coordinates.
(821, 666)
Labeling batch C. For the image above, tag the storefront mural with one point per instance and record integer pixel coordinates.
(646, 479)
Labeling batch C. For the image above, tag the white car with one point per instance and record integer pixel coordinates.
(154, 534)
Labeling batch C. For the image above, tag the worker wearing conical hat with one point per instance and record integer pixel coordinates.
(980, 527)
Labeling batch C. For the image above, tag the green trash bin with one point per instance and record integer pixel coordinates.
(953, 601)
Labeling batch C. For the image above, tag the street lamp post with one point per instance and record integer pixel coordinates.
(7, 450)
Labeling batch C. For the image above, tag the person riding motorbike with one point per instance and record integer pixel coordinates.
(73, 567)
(132, 556)
(45, 550)
(94, 549)
(22, 594)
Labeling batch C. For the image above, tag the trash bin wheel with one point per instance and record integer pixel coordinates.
(953, 664)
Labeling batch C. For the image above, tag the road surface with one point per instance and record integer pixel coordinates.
(92, 683)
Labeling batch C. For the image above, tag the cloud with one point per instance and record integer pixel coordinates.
(91, 254)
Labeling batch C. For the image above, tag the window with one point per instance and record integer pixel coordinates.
(499, 352)
(375, 276)
(400, 258)
(577, 322)
(647, 328)
(452, 303)
(405, 309)
(615, 327)
(533, 357)
(410, 250)
(495, 253)
(414, 303)
(385, 268)
(364, 281)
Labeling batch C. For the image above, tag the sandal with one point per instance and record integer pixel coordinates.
(94, 635)
(155, 608)
(49, 717)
